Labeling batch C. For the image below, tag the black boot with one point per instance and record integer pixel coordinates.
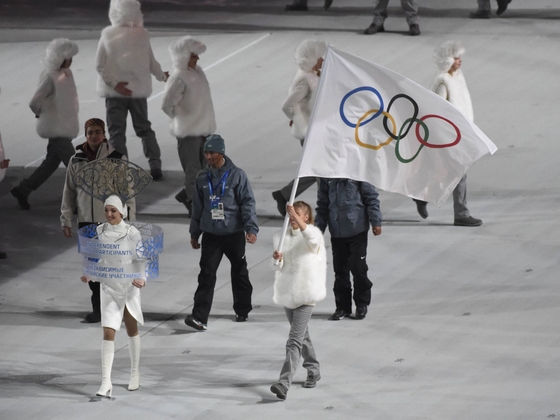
(502, 6)
(297, 7)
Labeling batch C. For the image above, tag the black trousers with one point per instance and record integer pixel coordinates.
(213, 249)
(349, 256)
(95, 286)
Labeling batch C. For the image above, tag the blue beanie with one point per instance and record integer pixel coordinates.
(215, 143)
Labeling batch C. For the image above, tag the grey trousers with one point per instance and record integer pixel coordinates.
(460, 199)
(483, 5)
(410, 8)
(59, 149)
(117, 112)
(298, 345)
(191, 155)
(303, 184)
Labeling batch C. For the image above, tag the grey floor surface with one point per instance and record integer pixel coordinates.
(464, 322)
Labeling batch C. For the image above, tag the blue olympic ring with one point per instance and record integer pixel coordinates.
(359, 89)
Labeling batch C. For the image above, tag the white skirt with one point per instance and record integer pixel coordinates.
(115, 297)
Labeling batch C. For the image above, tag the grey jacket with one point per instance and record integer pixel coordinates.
(347, 207)
(239, 203)
(89, 209)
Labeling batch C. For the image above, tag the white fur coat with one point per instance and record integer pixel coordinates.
(453, 87)
(124, 53)
(188, 102)
(301, 277)
(302, 92)
(300, 101)
(58, 112)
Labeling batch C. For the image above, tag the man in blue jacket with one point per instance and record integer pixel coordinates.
(224, 213)
(348, 208)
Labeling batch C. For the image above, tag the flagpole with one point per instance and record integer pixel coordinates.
(287, 218)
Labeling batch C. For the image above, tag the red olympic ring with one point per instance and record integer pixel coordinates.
(438, 146)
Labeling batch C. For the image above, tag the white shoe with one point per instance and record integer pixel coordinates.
(105, 390)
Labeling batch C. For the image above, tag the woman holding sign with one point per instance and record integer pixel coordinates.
(120, 294)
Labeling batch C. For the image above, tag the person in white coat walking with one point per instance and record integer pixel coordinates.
(126, 63)
(187, 101)
(300, 282)
(450, 84)
(55, 105)
(120, 300)
(298, 106)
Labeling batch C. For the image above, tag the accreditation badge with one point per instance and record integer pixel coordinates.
(217, 208)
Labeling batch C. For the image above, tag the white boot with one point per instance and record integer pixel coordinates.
(107, 356)
(134, 349)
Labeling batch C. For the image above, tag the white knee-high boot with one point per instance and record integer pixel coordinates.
(107, 356)
(134, 349)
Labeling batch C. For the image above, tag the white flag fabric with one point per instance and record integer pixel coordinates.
(372, 124)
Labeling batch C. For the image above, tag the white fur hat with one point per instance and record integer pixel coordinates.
(445, 54)
(308, 52)
(115, 201)
(182, 48)
(58, 50)
(125, 13)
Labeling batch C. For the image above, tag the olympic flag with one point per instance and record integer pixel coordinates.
(374, 125)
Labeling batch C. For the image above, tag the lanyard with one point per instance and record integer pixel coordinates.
(222, 181)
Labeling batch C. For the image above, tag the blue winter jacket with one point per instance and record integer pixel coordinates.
(347, 207)
(239, 203)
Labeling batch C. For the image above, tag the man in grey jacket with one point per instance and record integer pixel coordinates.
(348, 208)
(224, 213)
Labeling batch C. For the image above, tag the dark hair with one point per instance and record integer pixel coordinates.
(94, 121)
(303, 205)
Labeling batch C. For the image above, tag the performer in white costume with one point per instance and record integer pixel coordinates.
(300, 282)
(450, 84)
(55, 105)
(125, 63)
(298, 106)
(187, 101)
(120, 300)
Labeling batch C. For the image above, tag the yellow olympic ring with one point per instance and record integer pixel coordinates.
(371, 146)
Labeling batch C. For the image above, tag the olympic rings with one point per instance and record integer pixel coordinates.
(403, 130)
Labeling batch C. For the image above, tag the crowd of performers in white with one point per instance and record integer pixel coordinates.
(114, 250)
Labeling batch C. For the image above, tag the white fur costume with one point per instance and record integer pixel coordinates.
(56, 99)
(452, 87)
(301, 276)
(187, 97)
(124, 53)
(303, 89)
